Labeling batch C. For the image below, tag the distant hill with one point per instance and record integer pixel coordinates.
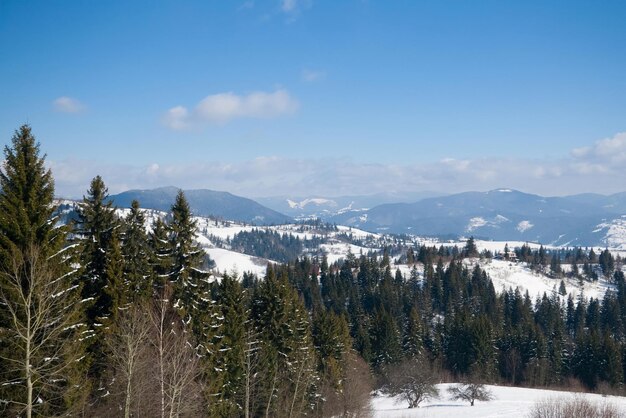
(501, 214)
(204, 202)
(325, 207)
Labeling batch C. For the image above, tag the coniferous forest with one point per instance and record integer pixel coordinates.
(105, 317)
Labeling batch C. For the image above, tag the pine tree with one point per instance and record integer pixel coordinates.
(27, 200)
(160, 254)
(189, 281)
(40, 318)
(286, 348)
(228, 362)
(386, 339)
(97, 226)
(116, 291)
(412, 342)
(471, 250)
(135, 251)
(332, 341)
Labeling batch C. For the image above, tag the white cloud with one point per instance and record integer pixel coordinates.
(288, 5)
(67, 105)
(274, 175)
(293, 8)
(221, 108)
(177, 118)
(309, 75)
(608, 152)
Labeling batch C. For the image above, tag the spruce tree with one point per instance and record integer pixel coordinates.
(135, 251)
(412, 341)
(27, 200)
(288, 360)
(40, 318)
(191, 284)
(187, 257)
(97, 224)
(228, 359)
(160, 254)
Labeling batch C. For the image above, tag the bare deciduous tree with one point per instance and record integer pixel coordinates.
(42, 335)
(177, 367)
(413, 380)
(129, 354)
(352, 398)
(470, 392)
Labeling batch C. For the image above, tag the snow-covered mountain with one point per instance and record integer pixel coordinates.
(503, 214)
(204, 202)
(500, 215)
(323, 207)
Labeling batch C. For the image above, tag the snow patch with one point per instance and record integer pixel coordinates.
(316, 201)
(475, 223)
(615, 235)
(524, 226)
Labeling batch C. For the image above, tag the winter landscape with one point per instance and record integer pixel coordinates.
(295, 208)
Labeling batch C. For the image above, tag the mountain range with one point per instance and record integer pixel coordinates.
(502, 214)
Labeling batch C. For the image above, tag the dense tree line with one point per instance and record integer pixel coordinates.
(270, 245)
(453, 315)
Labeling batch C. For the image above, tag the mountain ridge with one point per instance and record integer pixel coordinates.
(203, 202)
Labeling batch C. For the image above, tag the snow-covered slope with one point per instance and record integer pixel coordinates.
(506, 275)
(236, 264)
(613, 233)
(509, 402)
(338, 242)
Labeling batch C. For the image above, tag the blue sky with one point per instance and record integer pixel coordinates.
(303, 97)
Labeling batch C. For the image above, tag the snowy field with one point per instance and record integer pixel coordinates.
(232, 262)
(509, 402)
(505, 275)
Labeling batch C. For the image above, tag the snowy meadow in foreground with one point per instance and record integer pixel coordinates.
(508, 402)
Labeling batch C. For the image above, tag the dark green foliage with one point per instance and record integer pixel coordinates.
(35, 265)
(607, 263)
(287, 350)
(190, 284)
(160, 253)
(268, 244)
(138, 274)
(470, 249)
(228, 358)
(97, 226)
(332, 341)
(26, 200)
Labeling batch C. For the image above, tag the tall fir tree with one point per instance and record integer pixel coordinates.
(138, 273)
(191, 284)
(160, 254)
(34, 260)
(228, 358)
(97, 224)
(288, 360)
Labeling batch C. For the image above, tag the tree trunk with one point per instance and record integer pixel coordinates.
(127, 403)
(29, 379)
(269, 401)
